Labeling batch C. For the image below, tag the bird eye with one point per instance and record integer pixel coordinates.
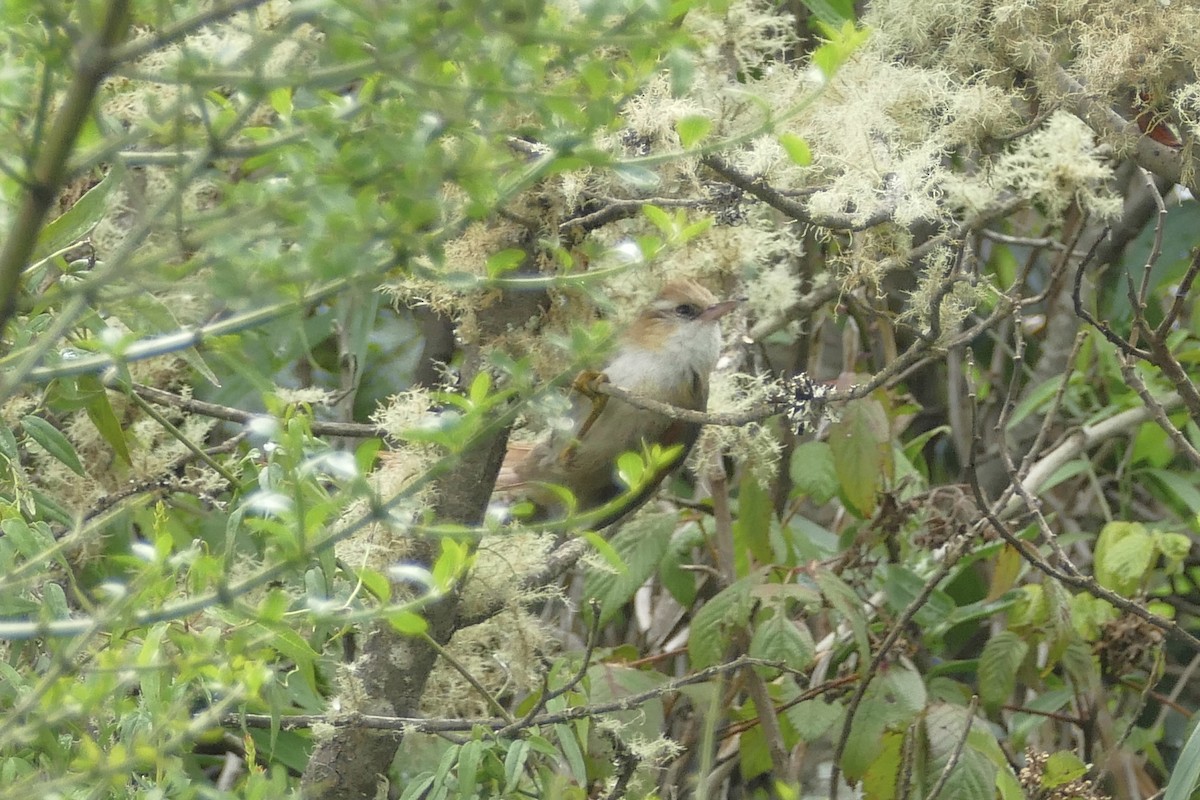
(688, 310)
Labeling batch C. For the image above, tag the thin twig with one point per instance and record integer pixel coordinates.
(353, 430)
(179, 436)
(422, 725)
(1157, 412)
(954, 551)
(759, 188)
(1181, 294)
(468, 677)
(957, 754)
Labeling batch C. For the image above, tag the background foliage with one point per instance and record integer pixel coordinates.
(279, 279)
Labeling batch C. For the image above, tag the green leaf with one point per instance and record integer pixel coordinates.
(468, 767)
(636, 177)
(659, 219)
(1062, 767)
(606, 551)
(752, 528)
(846, 603)
(840, 44)
(713, 625)
(1124, 554)
(610, 682)
(813, 473)
(797, 149)
(692, 129)
(80, 218)
(1185, 778)
(638, 547)
(8, 445)
(882, 774)
(1174, 546)
(812, 718)
(52, 441)
(407, 622)
(778, 638)
(1182, 487)
(504, 261)
(569, 745)
(1002, 656)
(514, 764)
(972, 778)
(892, 701)
(100, 412)
(679, 582)
(1033, 400)
(902, 586)
(831, 12)
(418, 786)
(862, 453)
(54, 601)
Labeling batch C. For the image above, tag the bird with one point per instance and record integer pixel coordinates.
(666, 354)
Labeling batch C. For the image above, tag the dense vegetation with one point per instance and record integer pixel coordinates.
(280, 281)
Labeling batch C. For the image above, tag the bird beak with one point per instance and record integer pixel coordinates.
(720, 309)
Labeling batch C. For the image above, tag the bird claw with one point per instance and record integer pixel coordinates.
(587, 383)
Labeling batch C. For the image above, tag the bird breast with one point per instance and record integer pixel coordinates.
(674, 370)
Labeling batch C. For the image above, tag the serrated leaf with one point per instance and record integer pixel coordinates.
(846, 603)
(1007, 567)
(610, 682)
(639, 547)
(862, 453)
(812, 471)
(1002, 656)
(752, 528)
(1174, 546)
(1062, 767)
(973, 777)
(1124, 553)
(813, 718)
(780, 639)
(891, 702)
(606, 551)
(691, 129)
(52, 441)
(796, 148)
(1079, 664)
(713, 625)
(881, 777)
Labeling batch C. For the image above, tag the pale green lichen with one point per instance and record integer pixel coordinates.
(755, 445)
(505, 655)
